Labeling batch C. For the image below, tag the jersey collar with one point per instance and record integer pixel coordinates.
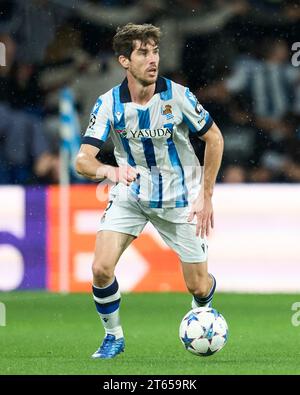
(125, 96)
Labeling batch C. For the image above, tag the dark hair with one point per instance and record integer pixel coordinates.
(123, 39)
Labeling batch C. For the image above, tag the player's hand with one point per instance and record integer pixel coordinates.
(203, 209)
(125, 174)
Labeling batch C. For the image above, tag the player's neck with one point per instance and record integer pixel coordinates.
(139, 93)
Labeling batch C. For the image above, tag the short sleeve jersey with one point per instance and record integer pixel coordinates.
(154, 138)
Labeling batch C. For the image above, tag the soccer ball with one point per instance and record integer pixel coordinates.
(203, 331)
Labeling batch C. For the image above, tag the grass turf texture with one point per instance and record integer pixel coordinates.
(56, 334)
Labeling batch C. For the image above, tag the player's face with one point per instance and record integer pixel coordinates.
(143, 62)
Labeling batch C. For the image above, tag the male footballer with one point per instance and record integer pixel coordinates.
(158, 178)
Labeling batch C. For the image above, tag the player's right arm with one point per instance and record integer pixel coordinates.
(96, 134)
(90, 167)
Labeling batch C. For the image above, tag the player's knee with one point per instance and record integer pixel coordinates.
(102, 274)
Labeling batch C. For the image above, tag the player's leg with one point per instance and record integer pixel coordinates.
(121, 223)
(191, 250)
(109, 247)
(107, 297)
(199, 282)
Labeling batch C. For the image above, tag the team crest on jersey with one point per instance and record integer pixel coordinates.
(167, 111)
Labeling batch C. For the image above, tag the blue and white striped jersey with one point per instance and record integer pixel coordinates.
(154, 138)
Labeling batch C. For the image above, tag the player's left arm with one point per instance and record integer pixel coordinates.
(202, 207)
(201, 124)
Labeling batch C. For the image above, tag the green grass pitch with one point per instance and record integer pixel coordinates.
(56, 334)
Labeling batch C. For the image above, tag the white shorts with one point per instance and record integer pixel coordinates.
(130, 216)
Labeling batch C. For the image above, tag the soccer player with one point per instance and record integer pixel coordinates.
(158, 178)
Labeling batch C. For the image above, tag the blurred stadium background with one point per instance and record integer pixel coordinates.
(236, 56)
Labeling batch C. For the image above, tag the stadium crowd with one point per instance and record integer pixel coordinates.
(234, 55)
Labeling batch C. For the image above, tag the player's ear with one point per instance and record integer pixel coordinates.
(124, 61)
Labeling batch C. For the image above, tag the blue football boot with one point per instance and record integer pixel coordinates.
(110, 347)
